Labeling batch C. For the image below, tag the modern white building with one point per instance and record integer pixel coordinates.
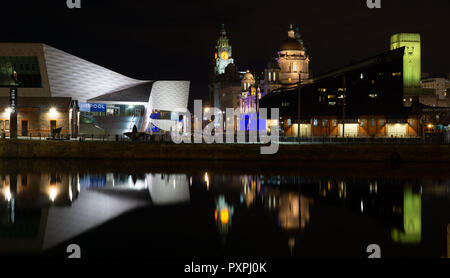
(110, 103)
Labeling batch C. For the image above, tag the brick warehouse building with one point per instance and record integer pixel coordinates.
(363, 99)
(38, 116)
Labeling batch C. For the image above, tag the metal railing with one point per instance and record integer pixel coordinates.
(155, 138)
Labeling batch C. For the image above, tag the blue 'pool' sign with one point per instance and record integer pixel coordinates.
(92, 107)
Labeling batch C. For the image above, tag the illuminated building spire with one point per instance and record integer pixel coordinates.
(291, 32)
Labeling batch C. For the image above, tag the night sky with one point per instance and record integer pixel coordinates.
(175, 40)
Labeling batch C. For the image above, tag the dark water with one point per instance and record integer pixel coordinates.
(233, 209)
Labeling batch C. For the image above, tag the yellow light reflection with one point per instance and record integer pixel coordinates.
(7, 194)
(224, 216)
(207, 180)
(52, 192)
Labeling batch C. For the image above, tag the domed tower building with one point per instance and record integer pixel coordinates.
(250, 93)
(248, 80)
(222, 55)
(225, 85)
(292, 60)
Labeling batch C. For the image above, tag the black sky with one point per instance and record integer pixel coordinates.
(175, 39)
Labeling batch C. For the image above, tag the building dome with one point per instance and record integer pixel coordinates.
(291, 44)
(248, 76)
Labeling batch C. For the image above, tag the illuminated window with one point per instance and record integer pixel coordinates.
(294, 67)
(289, 79)
(335, 122)
(324, 123)
(372, 122)
(382, 122)
(361, 123)
(315, 122)
(411, 122)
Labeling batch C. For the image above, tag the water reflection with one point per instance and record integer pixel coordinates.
(167, 189)
(393, 205)
(223, 215)
(39, 211)
(412, 218)
(448, 241)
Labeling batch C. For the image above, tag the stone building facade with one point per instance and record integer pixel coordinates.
(292, 60)
(39, 116)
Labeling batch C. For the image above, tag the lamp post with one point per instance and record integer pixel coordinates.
(344, 87)
(13, 113)
(298, 111)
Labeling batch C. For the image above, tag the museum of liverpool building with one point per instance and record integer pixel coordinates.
(56, 90)
(363, 99)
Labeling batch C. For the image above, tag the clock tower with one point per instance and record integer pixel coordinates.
(222, 54)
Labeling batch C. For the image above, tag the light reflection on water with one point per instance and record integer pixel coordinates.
(300, 215)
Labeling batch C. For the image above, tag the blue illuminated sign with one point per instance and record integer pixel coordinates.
(251, 122)
(92, 107)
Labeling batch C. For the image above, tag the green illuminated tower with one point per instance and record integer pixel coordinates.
(411, 61)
